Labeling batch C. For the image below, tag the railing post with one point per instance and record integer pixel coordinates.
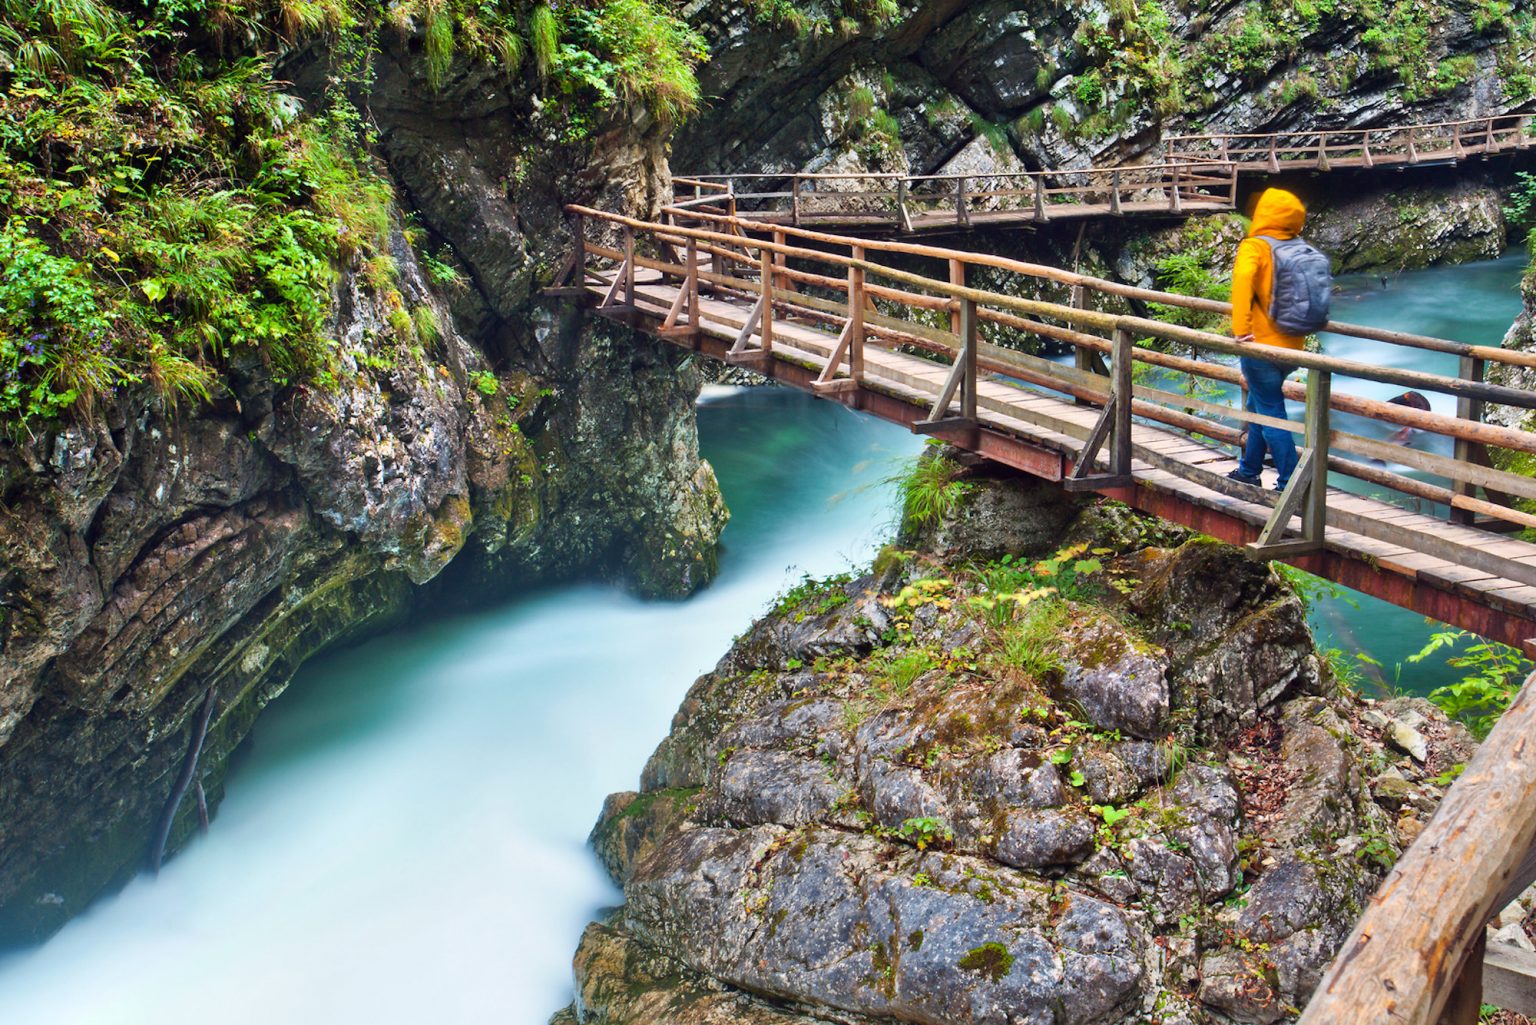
(903, 219)
(962, 215)
(1123, 361)
(1040, 214)
(1413, 146)
(693, 282)
(1274, 154)
(629, 266)
(1457, 149)
(968, 341)
(1174, 203)
(1082, 356)
(956, 278)
(1314, 511)
(779, 262)
(1114, 192)
(580, 267)
(1467, 408)
(856, 318)
(765, 274)
(1366, 160)
(794, 201)
(1322, 151)
(1489, 146)
(1225, 155)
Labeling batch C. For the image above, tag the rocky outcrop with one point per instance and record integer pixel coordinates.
(1408, 228)
(150, 556)
(1083, 781)
(1062, 86)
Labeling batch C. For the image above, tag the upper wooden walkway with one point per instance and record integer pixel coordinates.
(818, 312)
(1199, 175)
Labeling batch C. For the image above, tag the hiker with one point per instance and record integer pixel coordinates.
(1280, 316)
(1413, 400)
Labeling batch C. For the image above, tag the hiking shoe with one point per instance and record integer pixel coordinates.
(1251, 479)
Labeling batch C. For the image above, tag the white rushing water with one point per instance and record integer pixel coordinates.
(406, 841)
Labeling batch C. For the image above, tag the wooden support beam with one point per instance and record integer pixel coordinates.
(1509, 978)
(1402, 959)
(1467, 408)
(1314, 510)
(1268, 544)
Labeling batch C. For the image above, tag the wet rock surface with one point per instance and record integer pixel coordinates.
(1079, 810)
(148, 557)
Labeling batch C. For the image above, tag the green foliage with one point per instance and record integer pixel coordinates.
(544, 34)
(1494, 673)
(925, 832)
(1520, 207)
(484, 382)
(812, 597)
(931, 490)
(1032, 642)
(824, 17)
(165, 212)
(1309, 587)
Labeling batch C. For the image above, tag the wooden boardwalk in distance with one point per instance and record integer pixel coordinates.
(911, 349)
(1199, 175)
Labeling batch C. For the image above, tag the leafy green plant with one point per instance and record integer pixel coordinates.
(925, 831)
(932, 489)
(1520, 206)
(1032, 641)
(1494, 674)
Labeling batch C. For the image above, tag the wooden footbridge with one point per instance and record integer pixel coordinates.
(902, 331)
(896, 329)
(1198, 175)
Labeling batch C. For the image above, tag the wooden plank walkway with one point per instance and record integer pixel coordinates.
(1175, 475)
(1198, 176)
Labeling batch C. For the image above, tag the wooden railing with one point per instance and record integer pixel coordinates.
(831, 279)
(1416, 957)
(1358, 147)
(906, 202)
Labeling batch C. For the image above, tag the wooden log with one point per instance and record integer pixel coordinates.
(1407, 950)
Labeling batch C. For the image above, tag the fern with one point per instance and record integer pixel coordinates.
(544, 34)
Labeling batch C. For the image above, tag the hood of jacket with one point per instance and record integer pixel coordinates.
(1278, 214)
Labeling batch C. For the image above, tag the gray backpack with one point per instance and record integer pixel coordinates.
(1302, 288)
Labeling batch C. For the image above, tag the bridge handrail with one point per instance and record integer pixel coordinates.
(1119, 396)
(1072, 278)
(1315, 133)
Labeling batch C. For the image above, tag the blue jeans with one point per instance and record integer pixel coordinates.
(1265, 396)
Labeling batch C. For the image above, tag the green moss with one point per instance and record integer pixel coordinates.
(990, 960)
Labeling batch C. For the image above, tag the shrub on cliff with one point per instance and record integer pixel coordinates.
(166, 211)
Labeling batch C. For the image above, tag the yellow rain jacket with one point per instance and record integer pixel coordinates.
(1279, 215)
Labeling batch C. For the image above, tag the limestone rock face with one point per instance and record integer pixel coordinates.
(963, 815)
(1412, 227)
(146, 558)
(1033, 75)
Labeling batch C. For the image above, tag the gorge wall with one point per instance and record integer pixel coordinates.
(151, 555)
